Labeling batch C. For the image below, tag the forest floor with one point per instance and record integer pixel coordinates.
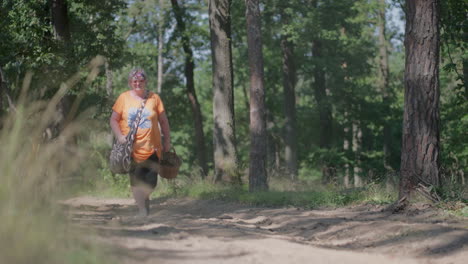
(183, 230)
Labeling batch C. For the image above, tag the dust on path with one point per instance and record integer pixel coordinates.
(207, 231)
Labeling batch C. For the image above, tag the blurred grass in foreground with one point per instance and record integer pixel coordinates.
(33, 173)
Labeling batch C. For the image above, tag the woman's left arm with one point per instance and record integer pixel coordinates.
(164, 123)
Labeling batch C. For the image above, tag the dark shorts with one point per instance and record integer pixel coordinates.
(145, 173)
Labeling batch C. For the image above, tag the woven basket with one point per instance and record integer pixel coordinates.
(169, 165)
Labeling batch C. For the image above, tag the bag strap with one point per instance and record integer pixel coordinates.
(134, 126)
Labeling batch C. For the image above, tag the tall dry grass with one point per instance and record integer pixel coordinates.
(33, 228)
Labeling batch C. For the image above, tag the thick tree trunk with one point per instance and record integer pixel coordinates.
(60, 20)
(224, 139)
(383, 82)
(420, 140)
(160, 47)
(324, 108)
(258, 135)
(289, 83)
(190, 87)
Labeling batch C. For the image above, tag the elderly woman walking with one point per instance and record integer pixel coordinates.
(148, 145)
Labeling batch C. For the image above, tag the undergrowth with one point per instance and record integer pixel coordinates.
(35, 171)
(311, 196)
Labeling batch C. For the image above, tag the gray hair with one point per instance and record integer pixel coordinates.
(137, 71)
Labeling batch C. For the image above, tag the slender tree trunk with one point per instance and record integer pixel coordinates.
(2, 91)
(258, 135)
(346, 149)
(160, 46)
(246, 99)
(289, 83)
(190, 86)
(420, 140)
(109, 80)
(383, 82)
(224, 139)
(60, 20)
(272, 150)
(465, 76)
(357, 142)
(324, 108)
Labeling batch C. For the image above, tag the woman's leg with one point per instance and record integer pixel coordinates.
(141, 195)
(144, 179)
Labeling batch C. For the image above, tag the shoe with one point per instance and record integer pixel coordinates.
(143, 212)
(147, 206)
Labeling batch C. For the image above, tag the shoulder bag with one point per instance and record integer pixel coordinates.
(120, 159)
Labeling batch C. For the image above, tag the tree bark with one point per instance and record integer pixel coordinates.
(289, 83)
(160, 47)
(420, 140)
(190, 87)
(258, 135)
(224, 139)
(60, 20)
(383, 82)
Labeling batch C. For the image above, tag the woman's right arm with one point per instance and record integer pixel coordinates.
(114, 123)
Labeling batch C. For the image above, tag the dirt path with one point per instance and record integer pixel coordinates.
(198, 231)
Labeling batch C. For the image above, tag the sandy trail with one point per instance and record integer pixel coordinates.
(200, 231)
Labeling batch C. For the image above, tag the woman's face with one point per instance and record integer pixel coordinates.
(138, 83)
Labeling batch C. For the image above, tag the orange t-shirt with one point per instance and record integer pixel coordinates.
(148, 137)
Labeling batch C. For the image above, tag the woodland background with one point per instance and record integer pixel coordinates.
(333, 78)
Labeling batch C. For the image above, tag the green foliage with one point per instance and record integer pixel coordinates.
(453, 39)
(30, 45)
(126, 34)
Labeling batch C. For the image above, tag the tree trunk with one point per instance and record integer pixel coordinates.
(224, 140)
(383, 83)
(324, 107)
(346, 149)
(160, 47)
(465, 77)
(60, 20)
(357, 142)
(258, 135)
(2, 91)
(5, 92)
(420, 140)
(109, 80)
(60, 23)
(289, 83)
(190, 87)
